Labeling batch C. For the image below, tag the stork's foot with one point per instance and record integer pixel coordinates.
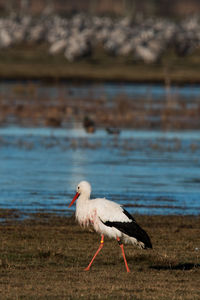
(87, 269)
(127, 269)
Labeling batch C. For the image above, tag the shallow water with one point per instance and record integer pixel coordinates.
(35, 103)
(108, 91)
(150, 172)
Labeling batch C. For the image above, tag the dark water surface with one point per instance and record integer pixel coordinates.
(150, 172)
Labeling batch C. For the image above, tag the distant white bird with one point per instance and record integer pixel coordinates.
(108, 218)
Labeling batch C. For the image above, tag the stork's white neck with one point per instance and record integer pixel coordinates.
(82, 208)
(82, 200)
(84, 196)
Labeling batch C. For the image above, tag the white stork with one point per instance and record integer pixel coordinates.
(108, 218)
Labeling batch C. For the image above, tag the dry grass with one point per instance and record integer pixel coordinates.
(44, 258)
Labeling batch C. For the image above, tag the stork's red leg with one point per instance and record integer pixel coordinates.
(123, 253)
(100, 247)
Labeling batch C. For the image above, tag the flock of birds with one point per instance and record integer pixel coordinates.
(78, 35)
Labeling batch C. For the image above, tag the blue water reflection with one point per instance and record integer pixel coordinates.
(150, 172)
(34, 89)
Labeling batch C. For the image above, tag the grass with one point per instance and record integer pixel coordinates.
(34, 62)
(43, 257)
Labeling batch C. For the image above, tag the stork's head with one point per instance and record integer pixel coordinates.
(83, 188)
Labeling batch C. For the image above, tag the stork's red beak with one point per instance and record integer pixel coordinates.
(74, 199)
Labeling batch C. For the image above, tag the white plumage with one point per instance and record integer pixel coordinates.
(108, 218)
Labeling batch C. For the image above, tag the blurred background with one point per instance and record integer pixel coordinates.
(161, 8)
(105, 91)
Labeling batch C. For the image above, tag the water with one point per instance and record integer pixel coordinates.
(34, 103)
(108, 91)
(150, 172)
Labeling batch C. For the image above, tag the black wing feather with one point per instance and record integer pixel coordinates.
(132, 229)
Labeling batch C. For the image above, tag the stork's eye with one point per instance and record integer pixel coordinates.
(78, 187)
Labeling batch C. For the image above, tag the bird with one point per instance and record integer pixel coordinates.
(89, 125)
(112, 130)
(108, 219)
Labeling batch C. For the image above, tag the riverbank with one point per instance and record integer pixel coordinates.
(33, 62)
(43, 256)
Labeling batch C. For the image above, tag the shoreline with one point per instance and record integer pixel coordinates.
(33, 62)
(94, 77)
(11, 216)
